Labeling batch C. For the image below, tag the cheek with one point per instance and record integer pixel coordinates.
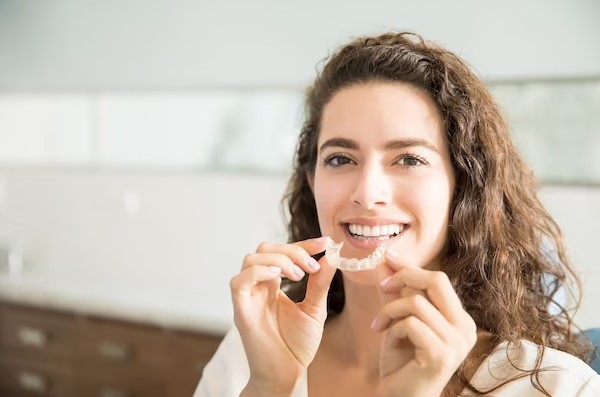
(436, 194)
(327, 198)
(430, 202)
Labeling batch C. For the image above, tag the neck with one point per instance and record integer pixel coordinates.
(352, 338)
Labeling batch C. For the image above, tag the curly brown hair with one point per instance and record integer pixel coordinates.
(496, 254)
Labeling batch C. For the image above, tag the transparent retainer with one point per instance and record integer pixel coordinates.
(332, 253)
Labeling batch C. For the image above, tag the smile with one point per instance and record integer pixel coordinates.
(378, 232)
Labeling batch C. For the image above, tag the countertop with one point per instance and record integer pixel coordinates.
(192, 302)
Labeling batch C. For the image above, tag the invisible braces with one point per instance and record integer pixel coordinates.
(332, 253)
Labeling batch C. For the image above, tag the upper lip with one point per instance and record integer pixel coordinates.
(371, 221)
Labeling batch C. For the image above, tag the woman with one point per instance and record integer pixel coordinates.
(404, 147)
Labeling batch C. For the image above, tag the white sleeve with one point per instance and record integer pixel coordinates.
(591, 388)
(227, 373)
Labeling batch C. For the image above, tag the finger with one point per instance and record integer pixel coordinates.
(281, 260)
(318, 285)
(426, 342)
(246, 280)
(395, 261)
(314, 245)
(418, 306)
(393, 264)
(243, 284)
(437, 286)
(299, 252)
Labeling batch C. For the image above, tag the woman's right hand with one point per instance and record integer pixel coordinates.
(280, 337)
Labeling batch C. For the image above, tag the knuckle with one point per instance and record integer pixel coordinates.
(234, 283)
(441, 278)
(418, 302)
(390, 308)
(249, 258)
(298, 251)
(264, 246)
(411, 322)
(472, 335)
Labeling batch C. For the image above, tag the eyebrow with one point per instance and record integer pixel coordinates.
(389, 146)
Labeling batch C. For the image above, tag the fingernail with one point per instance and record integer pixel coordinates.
(380, 323)
(374, 324)
(299, 273)
(385, 281)
(313, 264)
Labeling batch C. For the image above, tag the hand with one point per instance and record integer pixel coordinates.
(280, 337)
(427, 333)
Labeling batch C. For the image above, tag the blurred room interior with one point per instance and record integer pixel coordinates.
(145, 146)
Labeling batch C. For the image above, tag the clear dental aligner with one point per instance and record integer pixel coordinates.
(332, 253)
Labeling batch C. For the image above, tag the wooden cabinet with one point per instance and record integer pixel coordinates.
(52, 353)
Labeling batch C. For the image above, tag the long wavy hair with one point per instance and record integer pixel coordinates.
(505, 254)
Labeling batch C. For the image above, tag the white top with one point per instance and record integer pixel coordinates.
(227, 373)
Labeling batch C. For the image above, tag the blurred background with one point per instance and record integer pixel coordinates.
(145, 146)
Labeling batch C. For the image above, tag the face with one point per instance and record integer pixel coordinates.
(383, 174)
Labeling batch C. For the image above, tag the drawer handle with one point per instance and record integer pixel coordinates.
(112, 393)
(33, 337)
(33, 382)
(114, 351)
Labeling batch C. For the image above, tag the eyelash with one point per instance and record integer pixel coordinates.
(327, 162)
(420, 160)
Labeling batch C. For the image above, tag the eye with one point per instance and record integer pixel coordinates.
(411, 160)
(337, 160)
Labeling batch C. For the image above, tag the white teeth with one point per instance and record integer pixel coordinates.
(375, 231)
(352, 264)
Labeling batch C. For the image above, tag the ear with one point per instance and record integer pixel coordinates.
(310, 178)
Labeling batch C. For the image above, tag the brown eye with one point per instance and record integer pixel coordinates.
(337, 160)
(411, 160)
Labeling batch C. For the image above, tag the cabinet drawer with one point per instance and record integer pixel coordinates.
(119, 386)
(49, 353)
(108, 346)
(27, 378)
(39, 333)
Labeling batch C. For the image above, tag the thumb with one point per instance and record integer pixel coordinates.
(318, 285)
(390, 266)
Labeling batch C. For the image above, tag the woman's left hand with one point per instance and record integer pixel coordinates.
(426, 333)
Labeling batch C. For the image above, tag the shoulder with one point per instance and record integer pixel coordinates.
(561, 373)
(229, 363)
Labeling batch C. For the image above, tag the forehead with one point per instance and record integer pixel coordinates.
(382, 111)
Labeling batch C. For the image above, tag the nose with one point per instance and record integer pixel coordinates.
(373, 188)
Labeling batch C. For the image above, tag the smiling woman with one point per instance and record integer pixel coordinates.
(403, 147)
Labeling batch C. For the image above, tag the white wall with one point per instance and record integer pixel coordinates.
(75, 45)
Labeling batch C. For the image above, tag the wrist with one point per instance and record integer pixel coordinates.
(261, 389)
